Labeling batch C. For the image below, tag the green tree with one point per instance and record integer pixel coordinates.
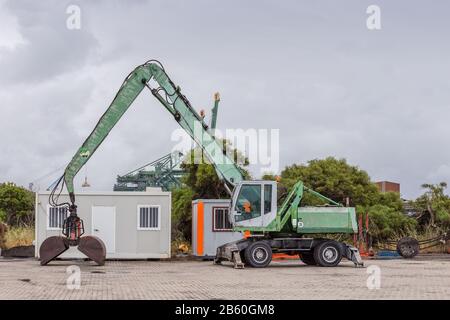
(436, 203)
(181, 217)
(3, 230)
(2, 216)
(269, 176)
(16, 205)
(390, 199)
(387, 222)
(334, 178)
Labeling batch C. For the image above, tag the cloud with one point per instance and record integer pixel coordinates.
(46, 47)
(11, 37)
(312, 70)
(441, 173)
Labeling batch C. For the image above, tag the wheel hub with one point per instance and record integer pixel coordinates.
(330, 254)
(260, 254)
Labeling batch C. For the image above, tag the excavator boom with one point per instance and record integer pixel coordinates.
(175, 102)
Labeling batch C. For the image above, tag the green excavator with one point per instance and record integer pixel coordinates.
(270, 226)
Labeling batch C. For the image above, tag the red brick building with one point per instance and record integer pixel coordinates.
(387, 186)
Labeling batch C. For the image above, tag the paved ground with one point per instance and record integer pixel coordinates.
(421, 278)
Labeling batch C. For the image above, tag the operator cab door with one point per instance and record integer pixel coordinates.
(270, 202)
(254, 204)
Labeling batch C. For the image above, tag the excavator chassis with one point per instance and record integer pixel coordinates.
(235, 251)
(91, 246)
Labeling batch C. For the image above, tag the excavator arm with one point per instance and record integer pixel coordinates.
(175, 102)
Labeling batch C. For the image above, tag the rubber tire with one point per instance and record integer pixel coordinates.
(408, 247)
(321, 248)
(308, 258)
(250, 251)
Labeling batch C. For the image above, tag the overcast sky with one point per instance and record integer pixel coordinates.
(379, 98)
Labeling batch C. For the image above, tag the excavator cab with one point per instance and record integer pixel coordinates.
(73, 231)
(254, 203)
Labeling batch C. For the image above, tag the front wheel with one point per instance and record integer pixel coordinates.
(258, 254)
(328, 254)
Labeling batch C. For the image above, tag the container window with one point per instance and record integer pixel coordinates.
(56, 217)
(149, 218)
(221, 220)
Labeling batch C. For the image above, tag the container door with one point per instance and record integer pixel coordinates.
(104, 226)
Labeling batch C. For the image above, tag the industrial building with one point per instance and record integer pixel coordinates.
(132, 225)
(388, 186)
(164, 173)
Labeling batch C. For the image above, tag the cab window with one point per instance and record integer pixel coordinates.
(248, 203)
(267, 198)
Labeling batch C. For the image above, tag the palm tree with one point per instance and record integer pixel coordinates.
(433, 193)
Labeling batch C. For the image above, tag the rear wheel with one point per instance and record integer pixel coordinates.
(258, 254)
(328, 254)
(308, 258)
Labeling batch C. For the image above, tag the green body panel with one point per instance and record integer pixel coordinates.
(172, 99)
(326, 220)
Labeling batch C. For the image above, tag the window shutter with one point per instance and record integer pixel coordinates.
(148, 217)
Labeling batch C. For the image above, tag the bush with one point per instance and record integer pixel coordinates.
(16, 205)
(22, 236)
(387, 223)
(335, 179)
(181, 214)
(2, 216)
(3, 230)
